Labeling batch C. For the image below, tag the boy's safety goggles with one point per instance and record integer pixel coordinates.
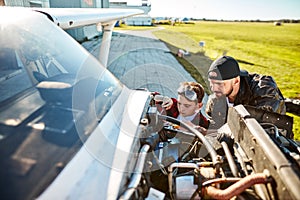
(188, 92)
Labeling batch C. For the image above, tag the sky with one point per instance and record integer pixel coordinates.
(227, 9)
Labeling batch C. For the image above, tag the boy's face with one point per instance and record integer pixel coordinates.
(187, 107)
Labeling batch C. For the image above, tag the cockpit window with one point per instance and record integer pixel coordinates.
(46, 61)
(53, 95)
(13, 77)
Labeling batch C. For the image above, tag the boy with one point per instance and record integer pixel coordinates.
(187, 105)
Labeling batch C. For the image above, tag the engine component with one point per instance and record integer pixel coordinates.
(244, 158)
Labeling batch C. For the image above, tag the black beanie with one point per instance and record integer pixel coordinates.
(224, 68)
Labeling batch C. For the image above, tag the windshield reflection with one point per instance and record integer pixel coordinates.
(32, 52)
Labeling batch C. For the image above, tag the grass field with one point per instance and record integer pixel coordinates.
(259, 47)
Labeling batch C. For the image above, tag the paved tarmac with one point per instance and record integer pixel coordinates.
(140, 60)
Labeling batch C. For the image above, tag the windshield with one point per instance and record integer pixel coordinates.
(53, 94)
(32, 51)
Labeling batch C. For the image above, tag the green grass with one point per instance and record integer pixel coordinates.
(267, 49)
(135, 28)
(260, 47)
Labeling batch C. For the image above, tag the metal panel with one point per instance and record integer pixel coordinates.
(263, 153)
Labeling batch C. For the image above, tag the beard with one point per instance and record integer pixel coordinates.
(219, 94)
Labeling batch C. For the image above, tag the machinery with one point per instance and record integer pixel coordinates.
(245, 158)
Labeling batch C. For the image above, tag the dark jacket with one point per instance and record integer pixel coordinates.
(255, 90)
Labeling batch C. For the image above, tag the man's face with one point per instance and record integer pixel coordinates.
(221, 87)
(186, 107)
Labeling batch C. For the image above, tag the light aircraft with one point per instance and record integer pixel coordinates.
(70, 130)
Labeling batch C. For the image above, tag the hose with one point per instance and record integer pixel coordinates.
(230, 159)
(206, 143)
(220, 180)
(236, 188)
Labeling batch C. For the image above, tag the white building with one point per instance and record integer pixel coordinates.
(28, 3)
(130, 2)
(140, 20)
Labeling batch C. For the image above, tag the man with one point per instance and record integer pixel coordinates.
(231, 86)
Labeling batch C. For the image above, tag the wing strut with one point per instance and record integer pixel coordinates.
(106, 40)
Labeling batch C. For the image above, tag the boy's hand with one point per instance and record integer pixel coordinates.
(166, 102)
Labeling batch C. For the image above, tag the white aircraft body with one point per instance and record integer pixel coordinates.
(70, 130)
(41, 68)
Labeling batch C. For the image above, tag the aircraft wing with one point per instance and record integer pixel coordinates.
(68, 18)
(104, 18)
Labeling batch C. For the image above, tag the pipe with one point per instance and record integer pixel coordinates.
(241, 156)
(230, 159)
(137, 174)
(220, 180)
(236, 188)
(205, 142)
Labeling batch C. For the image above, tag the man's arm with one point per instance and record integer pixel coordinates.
(267, 95)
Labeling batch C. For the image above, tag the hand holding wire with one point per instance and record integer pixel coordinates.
(166, 102)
